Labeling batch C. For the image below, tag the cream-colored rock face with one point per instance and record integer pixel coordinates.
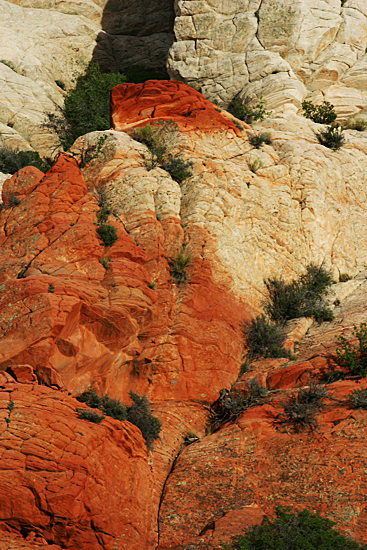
(261, 212)
(281, 51)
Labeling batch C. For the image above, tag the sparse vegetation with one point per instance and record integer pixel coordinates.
(105, 262)
(293, 531)
(178, 266)
(249, 113)
(178, 169)
(257, 140)
(90, 415)
(229, 405)
(299, 298)
(355, 359)
(87, 106)
(12, 161)
(264, 339)
(359, 124)
(332, 137)
(107, 233)
(300, 409)
(323, 114)
(51, 289)
(255, 165)
(358, 399)
(138, 413)
(12, 200)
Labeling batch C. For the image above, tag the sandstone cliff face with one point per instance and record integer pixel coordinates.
(280, 51)
(68, 322)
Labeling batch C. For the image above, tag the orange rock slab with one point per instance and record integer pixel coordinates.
(160, 100)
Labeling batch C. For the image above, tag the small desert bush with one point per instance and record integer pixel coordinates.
(358, 399)
(229, 405)
(86, 106)
(299, 298)
(258, 139)
(355, 359)
(293, 531)
(332, 137)
(107, 233)
(12, 161)
(323, 114)
(264, 338)
(249, 113)
(178, 266)
(178, 169)
(255, 165)
(138, 413)
(90, 415)
(154, 137)
(300, 409)
(359, 124)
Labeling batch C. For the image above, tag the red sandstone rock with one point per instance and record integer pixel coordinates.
(68, 481)
(156, 100)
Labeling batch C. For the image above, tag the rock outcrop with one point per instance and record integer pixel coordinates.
(75, 312)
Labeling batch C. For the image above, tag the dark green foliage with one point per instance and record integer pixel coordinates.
(292, 531)
(105, 261)
(332, 137)
(178, 169)
(107, 233)
(333, 376)
(51, 289)
(10, 406)
(299, 298)
(229, 405)
(90, 415)
(323, 315)
(351, 357)
(358, 399)
(300, 410)
(12, 161)
(87, 106)
(359, 124)
(258, 139)
(139, 73)
(264, 339)
(138, 413)
(13, 200)
(103, 213)
(178, 266)
(323, 114)
(249, 113)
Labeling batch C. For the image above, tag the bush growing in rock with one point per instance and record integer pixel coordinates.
(138, 413)
(178, 266)
(12, 161)
(300, 409)
(358, 398)
(293, 531)
(107, 233)
(257, 140)
(178, 169)
(299, 298)
(323, 114)
(332, 137)
(359, 124)
(249, 113)
(264, 339)
(355, 359)
(87, 106)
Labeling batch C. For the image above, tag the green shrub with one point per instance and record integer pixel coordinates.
(255, 165)
(299, 298)
(138, 413)
(178, 266)
(87, 106)
(359, 124)
(105, 262)
(90, 415)
(332, 137)
(178, 169)
(258, 139)
(264, 339)
(323, 114)
(300, 409)
(358, 399)
(290, 531)
(12, 161)
(354, 359)
(249, 113)
(107, 233)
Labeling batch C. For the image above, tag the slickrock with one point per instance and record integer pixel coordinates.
(68, 481)
(159, 100)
